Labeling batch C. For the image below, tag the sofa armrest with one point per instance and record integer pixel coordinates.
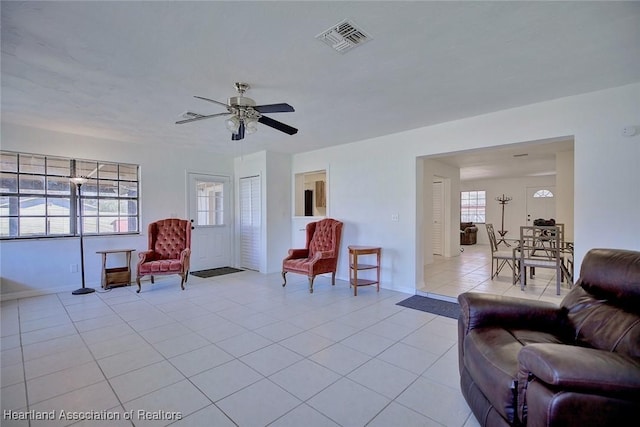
(581, 369)
(480, 310)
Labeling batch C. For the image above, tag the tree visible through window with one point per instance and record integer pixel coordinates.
(473, 206)
(37, 199)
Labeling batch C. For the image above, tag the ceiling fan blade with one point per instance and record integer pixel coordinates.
(277, 125)
(240, 135)
(211, 100)
(274, 108)
(201, 117)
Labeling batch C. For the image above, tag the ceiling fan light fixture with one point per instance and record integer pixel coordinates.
(232, 124)
(243, 115)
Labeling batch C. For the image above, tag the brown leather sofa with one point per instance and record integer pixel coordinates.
(531, 363)
(468, 233)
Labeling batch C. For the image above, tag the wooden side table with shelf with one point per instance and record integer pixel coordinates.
(116, 276)
(356, 251)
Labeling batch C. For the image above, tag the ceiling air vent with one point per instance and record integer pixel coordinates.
(344, 36)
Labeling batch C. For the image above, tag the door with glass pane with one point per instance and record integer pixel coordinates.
(209, 212)
(541, 203)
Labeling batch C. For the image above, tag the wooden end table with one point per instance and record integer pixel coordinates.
(116, 276)
(356, 251)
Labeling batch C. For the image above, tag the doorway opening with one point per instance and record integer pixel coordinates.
(513, 169)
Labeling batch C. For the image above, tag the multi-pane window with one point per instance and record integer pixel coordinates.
(210, 203)
(38, 200)
(473, 206)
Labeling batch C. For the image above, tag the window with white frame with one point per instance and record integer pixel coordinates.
(210, 203)
(38, 200)
(473, 206)
(542, 194)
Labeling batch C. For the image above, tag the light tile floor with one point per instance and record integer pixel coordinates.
(235, 350)
(241, 350)
(446, 278)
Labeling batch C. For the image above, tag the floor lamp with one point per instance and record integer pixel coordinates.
(78, 181)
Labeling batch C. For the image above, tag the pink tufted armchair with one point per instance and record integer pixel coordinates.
(169, 250)
(320, 254)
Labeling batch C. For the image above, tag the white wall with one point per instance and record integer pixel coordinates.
(35, 266)
(374, 178)
(565, 184)
(278, 201)
(368, 182)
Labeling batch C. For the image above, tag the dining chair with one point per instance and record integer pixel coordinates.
(499, 258)
(541, 247)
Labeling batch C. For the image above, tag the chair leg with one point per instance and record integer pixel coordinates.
(139, 287)
(499, 266)
(152, 282)
(183, 279)
(333, 278)
(311, 284)
(284, 278)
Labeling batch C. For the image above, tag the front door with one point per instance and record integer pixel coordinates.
(541, 203)
(209, 211)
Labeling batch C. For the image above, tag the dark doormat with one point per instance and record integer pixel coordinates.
(215, 272)
(432, 305)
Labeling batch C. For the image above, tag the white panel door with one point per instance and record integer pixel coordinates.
(250, 223)
(438, 218)
(210, 214)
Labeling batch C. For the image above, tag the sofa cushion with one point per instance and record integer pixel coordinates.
(491, 357)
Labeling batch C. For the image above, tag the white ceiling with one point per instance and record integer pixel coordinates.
(126, 70)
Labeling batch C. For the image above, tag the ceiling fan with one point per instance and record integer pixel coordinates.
(244, 114)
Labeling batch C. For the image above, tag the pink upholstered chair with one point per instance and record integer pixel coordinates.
(169, 250)
(320, 254)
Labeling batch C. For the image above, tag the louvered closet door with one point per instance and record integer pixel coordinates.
(250, 223)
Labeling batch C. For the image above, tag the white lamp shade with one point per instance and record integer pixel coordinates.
(232, 124)
(251, 126)
(78, 180)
